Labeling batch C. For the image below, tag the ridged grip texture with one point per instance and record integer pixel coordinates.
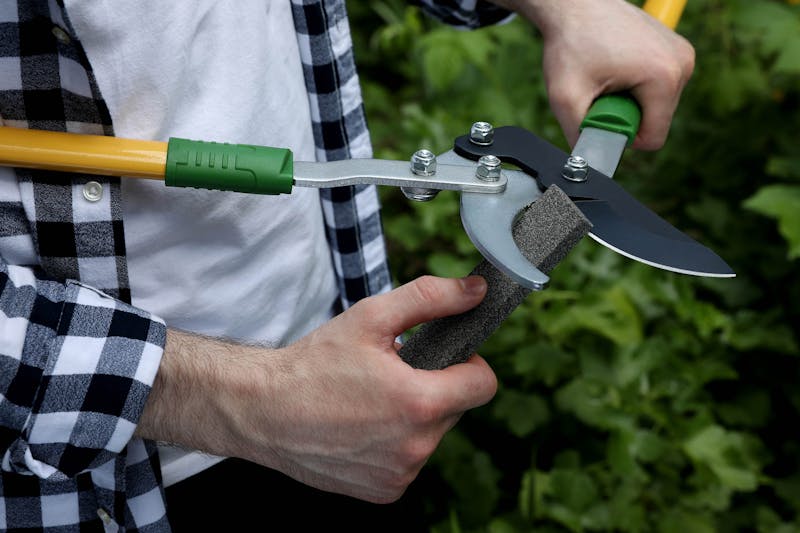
(229, 167)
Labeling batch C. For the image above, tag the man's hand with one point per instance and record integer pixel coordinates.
(338, 410)
(593, 47)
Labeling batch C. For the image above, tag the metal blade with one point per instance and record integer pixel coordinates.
(489, 221)
(657, 245)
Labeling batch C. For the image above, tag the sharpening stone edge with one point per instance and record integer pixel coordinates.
(545, 232)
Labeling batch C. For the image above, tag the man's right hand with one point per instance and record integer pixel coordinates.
(337, 410)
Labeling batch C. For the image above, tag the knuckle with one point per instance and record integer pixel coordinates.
(423, 411)
(688, 55)
(674, 71)
(562, 96)
(428, 290)
(368, 310)
(671, 75)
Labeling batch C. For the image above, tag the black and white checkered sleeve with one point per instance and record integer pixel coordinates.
(465, 13)
(76, 367)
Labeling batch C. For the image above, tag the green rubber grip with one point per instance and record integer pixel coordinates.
(615, 112)
(229, 167)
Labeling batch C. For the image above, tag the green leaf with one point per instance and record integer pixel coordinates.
(471, 474)
(573, 488)
(611, 315)
(750, 408)
(735, 85)
(726, 454)
(789, 490)
(648, 447)
(781, 202)
(788, 61)
(443, 58)
(596, 404)
(543, 362)
(680, 521)
(751, 331)
(502, 525)
(787, 167)
(523, 413)
(621, 457)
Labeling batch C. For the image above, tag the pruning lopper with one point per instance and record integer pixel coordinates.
(491, 196)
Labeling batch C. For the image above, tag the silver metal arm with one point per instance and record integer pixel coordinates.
(394, 173)
(601, 149)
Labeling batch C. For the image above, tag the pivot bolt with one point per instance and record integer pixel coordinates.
(575, 169)
(488, 168)
(482, 134)
(423, 163)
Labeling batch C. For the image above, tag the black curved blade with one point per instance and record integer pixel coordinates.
(672, 250)
(620, 221)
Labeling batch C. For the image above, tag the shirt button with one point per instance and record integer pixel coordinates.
(104, 516)
(61, 35)
(93, 191)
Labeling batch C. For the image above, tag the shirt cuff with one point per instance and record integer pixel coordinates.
(87, 365)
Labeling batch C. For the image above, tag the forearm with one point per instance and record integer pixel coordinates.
(550, 15)
(197, 386)
(541, 12)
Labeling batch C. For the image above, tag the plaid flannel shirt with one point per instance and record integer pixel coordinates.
(76, 359)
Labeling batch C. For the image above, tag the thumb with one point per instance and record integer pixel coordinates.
(423, 300)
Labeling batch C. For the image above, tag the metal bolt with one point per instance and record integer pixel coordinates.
(575, 169)
(423, 163)
(488, 168)
(482, 133)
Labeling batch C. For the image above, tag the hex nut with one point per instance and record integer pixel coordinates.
(575, 169)
(489, 168)
(423, 163)
(482, 133)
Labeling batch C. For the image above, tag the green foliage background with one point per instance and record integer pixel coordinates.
(631, 399)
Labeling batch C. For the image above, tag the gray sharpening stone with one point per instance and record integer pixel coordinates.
(545, 232)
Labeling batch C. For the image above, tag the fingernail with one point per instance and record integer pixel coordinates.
(473, 285)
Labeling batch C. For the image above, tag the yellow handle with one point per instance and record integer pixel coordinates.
(668, 12)
(90, 154)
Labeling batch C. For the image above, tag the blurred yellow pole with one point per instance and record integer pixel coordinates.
(90, 154)
(667, 12)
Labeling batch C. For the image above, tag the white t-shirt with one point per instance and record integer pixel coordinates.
(246, 267)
